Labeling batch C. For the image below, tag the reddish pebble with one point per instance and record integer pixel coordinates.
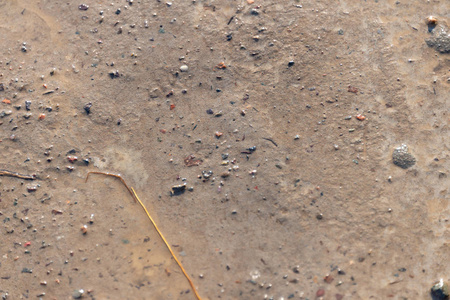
(360, 117)
(328, 279)
(352, 89)
(31, 189)
(27, 244)
(320, 292)
(72, 159)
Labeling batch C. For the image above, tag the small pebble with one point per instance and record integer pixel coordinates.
(77, 294)
(320, 292)
(431, 20)
(83, 7)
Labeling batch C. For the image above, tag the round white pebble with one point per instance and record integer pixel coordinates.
(184, 68)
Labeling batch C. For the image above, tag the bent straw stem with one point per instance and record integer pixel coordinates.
(167, 244)
(136, 199)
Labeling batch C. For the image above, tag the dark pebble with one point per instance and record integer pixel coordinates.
(114, 74)
(83, 7)
(440, 291)
(87, 107)
(178, 189)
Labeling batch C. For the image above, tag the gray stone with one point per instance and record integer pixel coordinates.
(440, 291)
(402, 158)
(441, 41)
(77, 294)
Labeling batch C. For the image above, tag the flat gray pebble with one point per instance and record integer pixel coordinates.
(402, 158)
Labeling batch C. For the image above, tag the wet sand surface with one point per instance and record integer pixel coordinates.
(287, 197)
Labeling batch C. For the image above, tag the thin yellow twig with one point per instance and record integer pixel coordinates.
(168, 246)
(136, 198)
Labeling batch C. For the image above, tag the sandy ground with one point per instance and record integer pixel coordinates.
(290, 197)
